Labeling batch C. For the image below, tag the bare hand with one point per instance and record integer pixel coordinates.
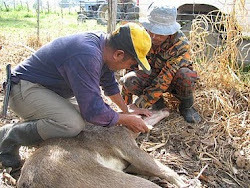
(133, 122)
(139, 111)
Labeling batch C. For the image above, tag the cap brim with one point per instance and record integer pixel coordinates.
(160, 29)
(143, 62)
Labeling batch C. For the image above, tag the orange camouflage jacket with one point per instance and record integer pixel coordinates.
(165, 61)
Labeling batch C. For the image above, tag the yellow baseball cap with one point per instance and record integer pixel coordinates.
(134, 39)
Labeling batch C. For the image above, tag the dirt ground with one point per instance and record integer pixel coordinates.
(180, 145)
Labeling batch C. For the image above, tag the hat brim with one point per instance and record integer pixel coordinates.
(160, 29)
(143, 63)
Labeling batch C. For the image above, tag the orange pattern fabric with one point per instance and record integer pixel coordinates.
(165, 61)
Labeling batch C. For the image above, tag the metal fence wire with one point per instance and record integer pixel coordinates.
(212, 13)
(126, 11)
(212, 17)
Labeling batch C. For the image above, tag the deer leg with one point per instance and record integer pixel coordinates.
(142, 163)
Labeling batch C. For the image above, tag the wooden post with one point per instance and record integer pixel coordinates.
(6, 6)
(62, 11)
(112, 4)
(28, 8)
(38, 21)
(48, 6)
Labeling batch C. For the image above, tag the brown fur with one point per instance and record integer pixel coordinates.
(85, 161)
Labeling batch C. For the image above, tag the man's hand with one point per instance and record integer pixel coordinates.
(133, 122)
(139, 111)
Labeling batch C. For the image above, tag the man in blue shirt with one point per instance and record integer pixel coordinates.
(73, 66)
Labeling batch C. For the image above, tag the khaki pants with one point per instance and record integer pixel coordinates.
(57, 117)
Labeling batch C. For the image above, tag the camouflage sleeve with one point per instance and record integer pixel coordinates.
(180, 53)
(128, 97)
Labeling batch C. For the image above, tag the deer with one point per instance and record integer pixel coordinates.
(98, 157)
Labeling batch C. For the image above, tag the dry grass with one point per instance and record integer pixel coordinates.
(223, 97)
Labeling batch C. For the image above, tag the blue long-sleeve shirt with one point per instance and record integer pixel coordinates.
(73, 66)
